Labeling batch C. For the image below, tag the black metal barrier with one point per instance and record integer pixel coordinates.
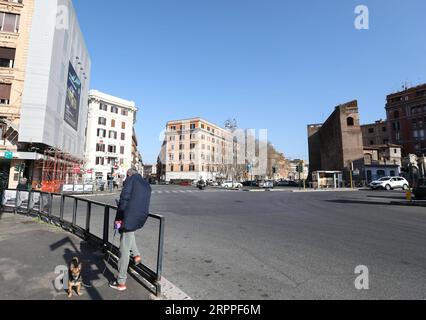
(41, 204)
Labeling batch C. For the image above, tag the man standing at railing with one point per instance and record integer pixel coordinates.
(132, 213)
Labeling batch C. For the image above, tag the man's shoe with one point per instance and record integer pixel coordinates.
(115, 285)
(137, 260)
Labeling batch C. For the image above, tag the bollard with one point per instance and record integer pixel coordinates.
(409, 195)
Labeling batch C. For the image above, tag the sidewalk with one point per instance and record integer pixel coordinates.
(29, 253)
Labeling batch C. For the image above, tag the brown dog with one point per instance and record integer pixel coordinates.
(74, 277)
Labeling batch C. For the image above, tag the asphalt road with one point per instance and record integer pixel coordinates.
(281, 245)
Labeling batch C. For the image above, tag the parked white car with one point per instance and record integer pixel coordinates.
(390, 183)
(231, 185)
(267, 184)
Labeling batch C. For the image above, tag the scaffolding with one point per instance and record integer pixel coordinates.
(59, 168)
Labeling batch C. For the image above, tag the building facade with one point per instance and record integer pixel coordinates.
(375, 133)
(109, 142)
(406, 116)
(337, 144)
(137, 162)
(45, 78)
(195, 149)
(293, 174)
(382, 161)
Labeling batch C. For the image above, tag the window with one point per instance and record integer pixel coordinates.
(123, 136)
(193, 136)
(395, 151)
(123, 125)
(203, 137)
(182, 137)
(192, 156)
(9, 22)
(202, 126)
(371, 142)
(113, 135)
(124, 112)
(173, 128)
(396, 114)
(100, 147)
(172, 147)
(191, 167)
(172, 168)
(122, 150)
(101, 133)
(100, 161)
(103, 107)
(102, 121)
(181, 146)
(181, 156)
(350, 121)
(171, 157)
(114, 109)
(182, 127)
(384, 129)
(112, 149)
(181, 168)
(172, 138)
(7, 57)
(192, 126)
(112, 123)
(5, 90)
(371, 130)
(192, 146)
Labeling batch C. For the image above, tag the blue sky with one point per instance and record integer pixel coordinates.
(271, 64)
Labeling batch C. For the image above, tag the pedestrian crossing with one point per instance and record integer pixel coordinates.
(177, 192)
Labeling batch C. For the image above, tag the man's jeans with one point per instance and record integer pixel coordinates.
(127, 248)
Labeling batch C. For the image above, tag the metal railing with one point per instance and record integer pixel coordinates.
(41, 204)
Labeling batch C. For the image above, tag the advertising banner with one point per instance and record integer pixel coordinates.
(72, 102)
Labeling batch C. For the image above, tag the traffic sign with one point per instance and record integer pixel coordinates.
(8, 155)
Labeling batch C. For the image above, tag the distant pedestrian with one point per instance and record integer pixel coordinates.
(23, 185)
(132, 214)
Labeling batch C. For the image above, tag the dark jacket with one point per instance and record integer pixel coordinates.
(22, 187)
(133, 208)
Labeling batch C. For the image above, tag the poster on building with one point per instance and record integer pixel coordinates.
(72, 102)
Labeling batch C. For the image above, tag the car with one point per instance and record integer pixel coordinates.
(288, 183)
(390, 183)
(420, 190)
(250, 184)
(267, 184)
(231, 185)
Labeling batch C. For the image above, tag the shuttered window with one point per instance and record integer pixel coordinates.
(5, 90)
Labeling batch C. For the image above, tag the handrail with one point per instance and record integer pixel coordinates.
(152, 276)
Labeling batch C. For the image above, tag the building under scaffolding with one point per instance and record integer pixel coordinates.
(56, 169)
